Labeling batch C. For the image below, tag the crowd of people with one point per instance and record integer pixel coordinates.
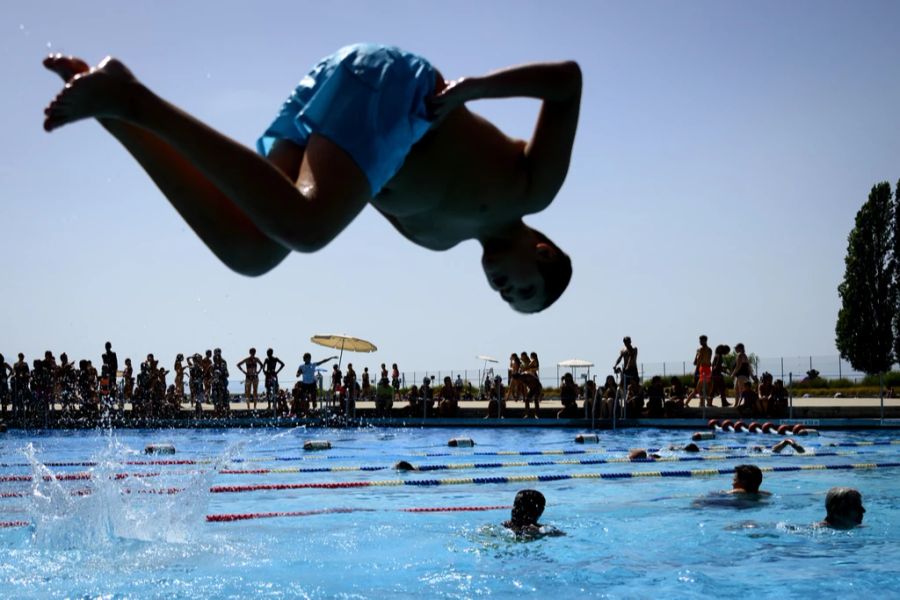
(48, 384)
(626, 395)
(45, 386)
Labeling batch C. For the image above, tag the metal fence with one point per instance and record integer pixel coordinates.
(782, 367)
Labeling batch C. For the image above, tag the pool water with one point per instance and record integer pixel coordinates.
(92, 523)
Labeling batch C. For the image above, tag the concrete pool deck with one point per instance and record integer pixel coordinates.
(824, 413)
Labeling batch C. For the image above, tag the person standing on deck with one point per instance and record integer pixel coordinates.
(272, 366)
(307, 373)
(111, 361)
(703, 364)
(250, 367)
(628, 358)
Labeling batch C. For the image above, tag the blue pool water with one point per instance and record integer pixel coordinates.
(629, 537)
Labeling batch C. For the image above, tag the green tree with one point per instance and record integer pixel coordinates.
(896, 259)
(864, 331)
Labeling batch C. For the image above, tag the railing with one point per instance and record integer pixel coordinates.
(828, 367)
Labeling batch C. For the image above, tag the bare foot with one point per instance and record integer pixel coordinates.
(66, 67)
(103, 91)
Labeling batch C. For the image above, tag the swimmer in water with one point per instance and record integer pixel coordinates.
(744, 492)
(780, 446)
(844, 508)
(527, 509)
(641, 454)
(369, 124)
(690, 447)
(746, 482)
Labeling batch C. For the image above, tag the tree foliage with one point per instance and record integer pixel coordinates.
(868, 314)
(896, 257)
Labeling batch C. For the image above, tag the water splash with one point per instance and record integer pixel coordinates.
(110, 508)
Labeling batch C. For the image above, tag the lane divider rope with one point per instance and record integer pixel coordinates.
(219, 489)
(442, 454)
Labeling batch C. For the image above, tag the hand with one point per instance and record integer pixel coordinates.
(453, 96)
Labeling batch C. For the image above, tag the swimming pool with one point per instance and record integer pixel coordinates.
(120, 526)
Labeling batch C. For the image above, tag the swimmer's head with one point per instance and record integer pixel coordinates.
(747, 478)
(637, 454)
(844, 507)
(692, 447)
(405, 466)
(527, 508)
(528, 270)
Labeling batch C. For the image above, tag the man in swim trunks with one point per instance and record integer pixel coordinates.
(369, 124)
(272, 366)
(111, 361)
(250, 367)
(703, 363)
(628, 358)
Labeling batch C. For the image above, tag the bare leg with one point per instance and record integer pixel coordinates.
(330, 188)
(222, 226)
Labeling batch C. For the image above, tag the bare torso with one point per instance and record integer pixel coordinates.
(455, 182)
(703, 357)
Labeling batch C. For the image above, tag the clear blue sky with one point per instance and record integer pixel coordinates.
(722, 153)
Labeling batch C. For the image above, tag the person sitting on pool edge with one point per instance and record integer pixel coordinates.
(370, 124)
(528, 507)
(568, 397)
(844, 508)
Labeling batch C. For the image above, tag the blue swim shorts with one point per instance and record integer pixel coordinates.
(368, 99)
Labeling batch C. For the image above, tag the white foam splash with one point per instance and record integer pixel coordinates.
(110, 509)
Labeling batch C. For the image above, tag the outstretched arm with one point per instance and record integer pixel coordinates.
(550, 148)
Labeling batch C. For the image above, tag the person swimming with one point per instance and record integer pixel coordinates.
(528, 507)
(369, 124)
(844, 508)
(744, 492)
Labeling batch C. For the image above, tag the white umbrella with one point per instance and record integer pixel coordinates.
(343, 342)
(487, 359)
(574, 363)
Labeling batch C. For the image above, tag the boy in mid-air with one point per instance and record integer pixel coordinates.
(369, 124)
